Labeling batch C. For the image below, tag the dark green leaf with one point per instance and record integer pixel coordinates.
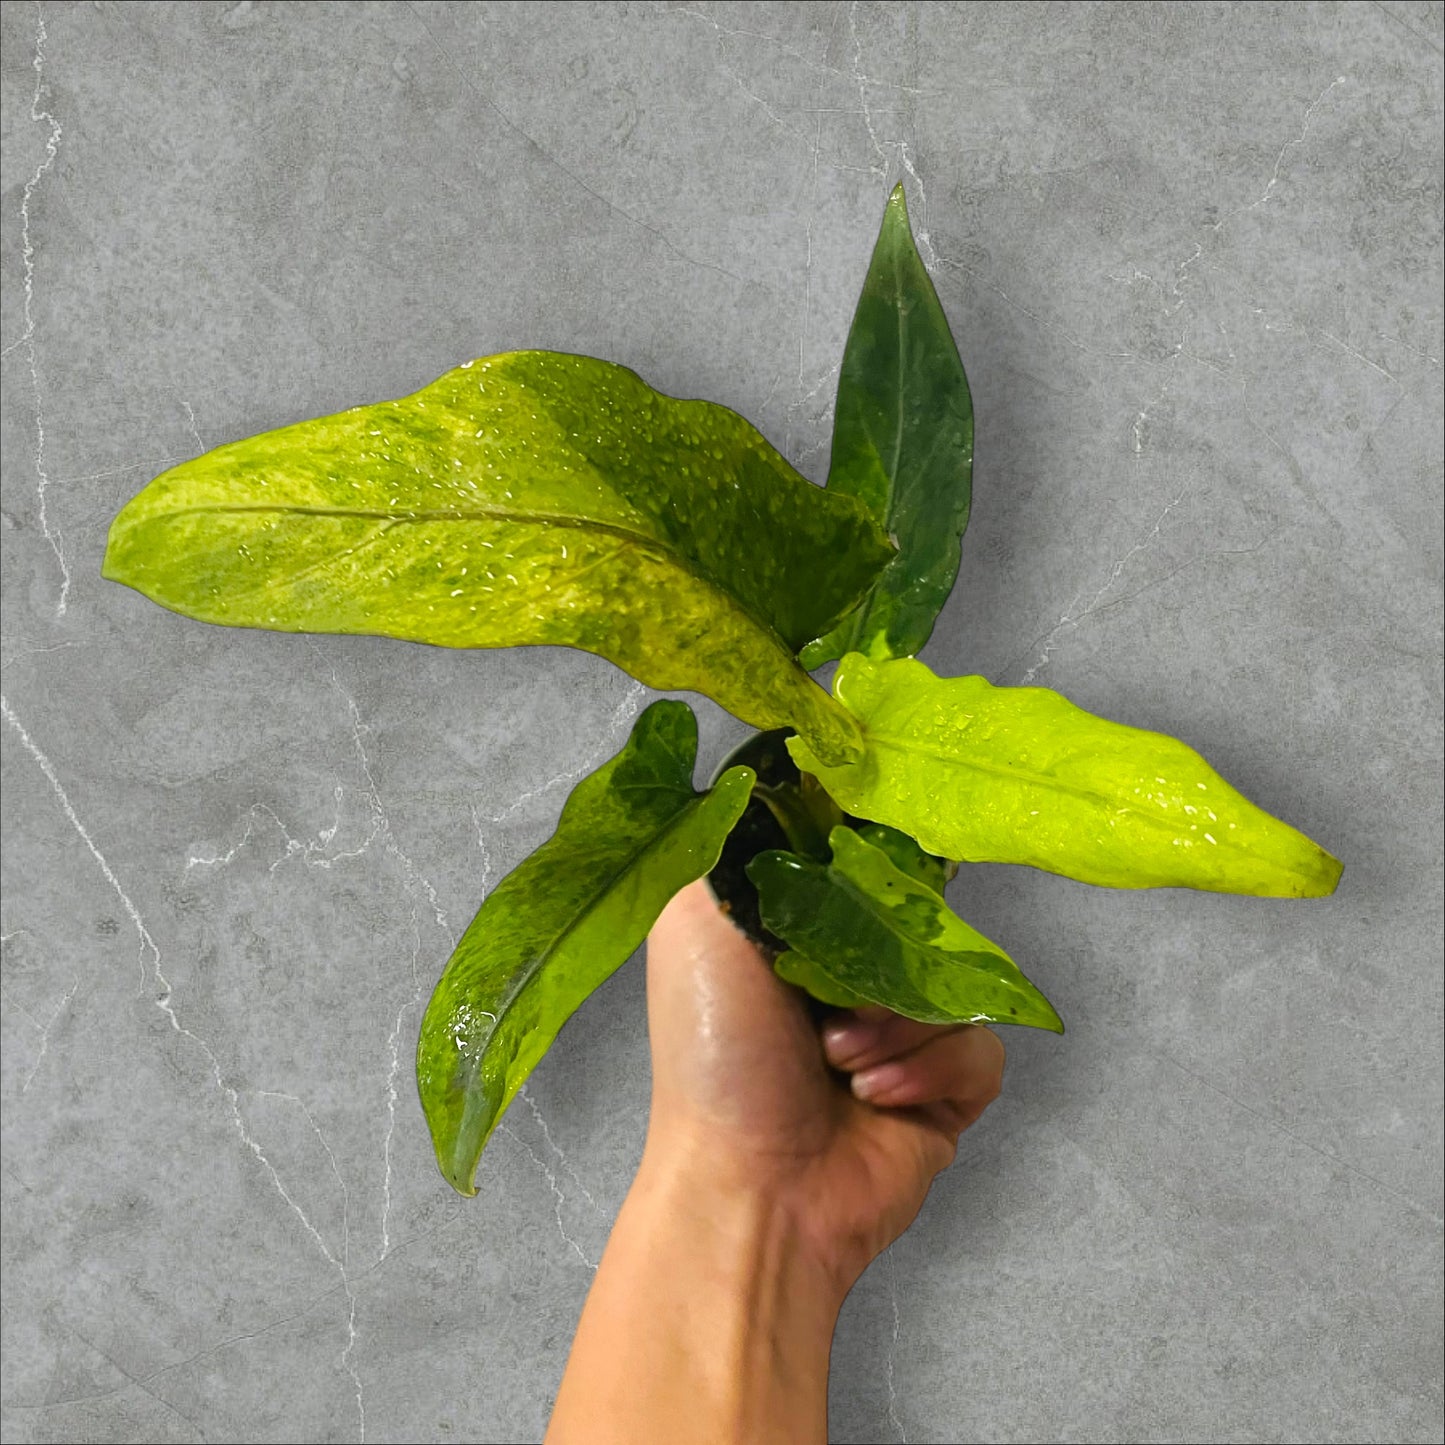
(865, 929)
(1020, 775)
(903, 442)
(907, 856)
(558, 925)
(526, 498)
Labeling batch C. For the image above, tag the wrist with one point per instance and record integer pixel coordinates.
(753, 1308)
(750, 1211)
(706, 1321)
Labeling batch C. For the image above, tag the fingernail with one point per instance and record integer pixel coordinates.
(844, 1041)
(881, 1079)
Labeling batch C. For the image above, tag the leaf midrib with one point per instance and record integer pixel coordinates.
(436, 514)
(1153, 816)
(578, 919)
(863, 617)
(898, 310)
(564, 520)
(1024, 991)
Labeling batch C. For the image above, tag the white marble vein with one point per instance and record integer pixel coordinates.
(163, 997)
(1072, 618)
(40, 116)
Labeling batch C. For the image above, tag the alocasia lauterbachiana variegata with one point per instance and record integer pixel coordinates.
(535, 497)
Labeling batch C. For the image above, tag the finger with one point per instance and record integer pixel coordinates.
(963, 1069)
(693, 923)
(716, 1011)
(862, 1038)
(699, 963)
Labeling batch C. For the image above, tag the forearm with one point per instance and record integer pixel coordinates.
(708, 1320)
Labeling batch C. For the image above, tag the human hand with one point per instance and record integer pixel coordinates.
(766, 1186)
(746, 1097)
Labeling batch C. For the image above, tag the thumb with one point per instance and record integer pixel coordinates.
(719, 1018)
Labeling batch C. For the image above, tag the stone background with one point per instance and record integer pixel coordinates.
(1192, 255)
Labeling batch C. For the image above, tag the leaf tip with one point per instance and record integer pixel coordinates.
(1307, 871)
(816, 653)
(740, 778)
(1325, 877)
(459, 1155)
(464, 1185)
(458, 1115)
(1039, 1014)
(801, 754)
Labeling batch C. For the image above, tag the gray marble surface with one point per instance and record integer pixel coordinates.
(1192, 255)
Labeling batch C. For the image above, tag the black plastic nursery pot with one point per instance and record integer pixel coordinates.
(755, 832)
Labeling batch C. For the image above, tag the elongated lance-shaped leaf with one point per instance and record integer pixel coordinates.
(865, 930)
(1020, 775)
(903, 443)
(560, 923)
(526, 498)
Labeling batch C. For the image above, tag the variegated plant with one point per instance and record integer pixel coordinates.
(535, 497)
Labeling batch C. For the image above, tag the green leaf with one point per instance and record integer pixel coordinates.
(531, 497)
(804, 812)
(907, 856)
(559, 924)
(903, 443)
(1021, 775)
(803, 973)
(865, 929)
